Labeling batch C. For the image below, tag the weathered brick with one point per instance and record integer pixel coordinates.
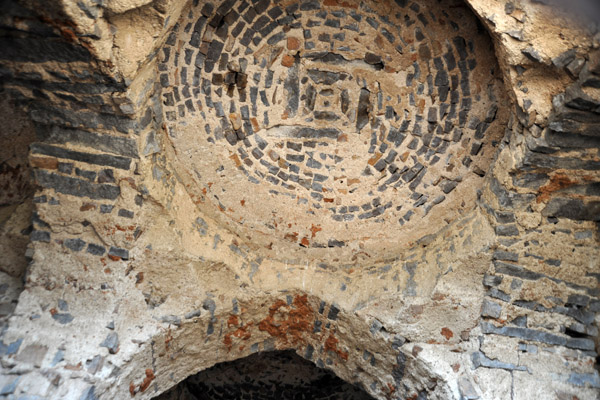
(90, 158)
(577, 209)
(76, 187)
(95, 249)
(507, 230)
(39, 236)
(118, 252)
(490, 309)
(39, 50)
(75, 244)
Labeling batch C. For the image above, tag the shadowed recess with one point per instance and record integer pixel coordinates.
(265, 376)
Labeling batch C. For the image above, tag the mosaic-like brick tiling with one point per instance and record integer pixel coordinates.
(354, 120)
(215, 181)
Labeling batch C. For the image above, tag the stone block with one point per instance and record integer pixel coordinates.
(118, 252)
(592, 379)
(516, 270)
(538, 336)
(508, 199)
(90, 158)
(507, 230)
(76, 187)
(111, 342)
(39, 236)
(505, 256)
(571, 208)
(480, 360)
(333, 312)
(95, 249)
(491, 309)
(568, 140)
(75, 244)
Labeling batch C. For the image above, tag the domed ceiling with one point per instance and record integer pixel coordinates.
(336, 130)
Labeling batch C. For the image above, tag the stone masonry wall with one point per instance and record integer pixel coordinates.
(405, 193)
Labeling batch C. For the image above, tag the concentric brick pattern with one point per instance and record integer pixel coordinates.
(351, 114)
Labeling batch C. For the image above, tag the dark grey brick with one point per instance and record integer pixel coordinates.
(362, 117)
(275, 12)
(538, 336)
(38, 50)
(238, 28)
(310, 5)
(516, 270)
(334, 23)
(89, 175)
(578, 299)
(505, 217)
(333, 312)
(398, 371)
(507, 230)
(75, 244)
(260, 23)
(498, 294)
(448, 186)
(553, 262)
(207, 9)
(573, 209)
(39, 236)
(531, 180)
(480, 360)
(125, 213)
(492, 280)
(505, 256)
(76, 187)
(98, 159)
(95, 249)
(261, 6)
(106, 176)
(214, 50)
(113, 144)
(164, 80)
(106, 208)
(584, 380)
(276, 38)
(335, 243)
(65, 168)
(118, 252)
(552, 162)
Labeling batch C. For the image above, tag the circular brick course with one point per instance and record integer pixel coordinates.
(358, 125)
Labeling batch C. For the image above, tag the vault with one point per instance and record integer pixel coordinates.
(330, 130)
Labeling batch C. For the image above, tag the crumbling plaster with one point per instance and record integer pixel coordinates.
(128, 294)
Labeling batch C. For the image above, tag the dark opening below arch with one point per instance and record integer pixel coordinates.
(281, 375)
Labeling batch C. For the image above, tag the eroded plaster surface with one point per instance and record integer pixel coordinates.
(405, 193)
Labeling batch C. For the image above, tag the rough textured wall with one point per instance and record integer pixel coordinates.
(364, 183)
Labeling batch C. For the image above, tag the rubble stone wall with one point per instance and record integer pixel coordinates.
(403, 192)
